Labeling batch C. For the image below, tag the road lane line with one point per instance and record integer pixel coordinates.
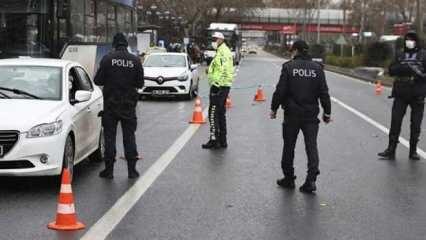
(106, 224)
(382, 128)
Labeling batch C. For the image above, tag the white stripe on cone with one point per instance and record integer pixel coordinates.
(66, 188)
(66, 208)
(198, 109)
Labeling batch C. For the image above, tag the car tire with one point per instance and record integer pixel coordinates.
(98, 155)
(190, 95)
(69, 155)
(196, 90)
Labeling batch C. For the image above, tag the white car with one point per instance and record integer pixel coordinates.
(170, 74)
(49, 117)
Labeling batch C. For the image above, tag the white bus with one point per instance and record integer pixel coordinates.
(232, 37)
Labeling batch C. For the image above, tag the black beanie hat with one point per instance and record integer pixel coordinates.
(412, 36)
(301, 46)
(119, 41)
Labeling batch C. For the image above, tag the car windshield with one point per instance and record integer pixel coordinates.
(30, 82)
(165, 61)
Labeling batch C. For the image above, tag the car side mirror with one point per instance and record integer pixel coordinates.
(193, 67)
(82, 96)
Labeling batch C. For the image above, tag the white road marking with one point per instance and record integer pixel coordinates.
(382, 128)
(106, 224)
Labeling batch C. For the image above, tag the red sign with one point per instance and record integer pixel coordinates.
(293, 29)
(289, 29)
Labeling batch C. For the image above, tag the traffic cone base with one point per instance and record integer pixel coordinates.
(72, 227)
(66, 218)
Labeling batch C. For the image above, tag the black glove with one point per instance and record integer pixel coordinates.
(417, 70)
(326, 118)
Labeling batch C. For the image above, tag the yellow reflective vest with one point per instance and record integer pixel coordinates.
(221, 69)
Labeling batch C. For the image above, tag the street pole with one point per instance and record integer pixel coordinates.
(319, 22)
(420, 17)
(361, 31)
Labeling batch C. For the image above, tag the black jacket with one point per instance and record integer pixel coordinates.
(302, 84)
(407, 82)
(121, 74)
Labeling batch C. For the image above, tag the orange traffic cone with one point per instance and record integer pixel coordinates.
(379, 88)
(260, 95)
(66, 219)
(197, 116)
(228, 103)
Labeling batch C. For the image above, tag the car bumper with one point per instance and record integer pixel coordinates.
(24, 158)
(171, 88)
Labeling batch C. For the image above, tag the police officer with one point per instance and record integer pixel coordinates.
(301, 84)
(121, 74)
(409, 89)
(220, 76)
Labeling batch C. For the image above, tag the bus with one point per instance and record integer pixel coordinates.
(41, 28)
(233, 39)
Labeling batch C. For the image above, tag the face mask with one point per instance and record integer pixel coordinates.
(215, 45)
(410, 44)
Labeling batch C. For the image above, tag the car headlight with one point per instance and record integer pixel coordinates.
(183, 77)
(45, 130)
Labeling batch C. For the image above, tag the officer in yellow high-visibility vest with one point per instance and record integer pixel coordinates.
(220, 76)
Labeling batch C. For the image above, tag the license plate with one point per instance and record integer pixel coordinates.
(160, 92)
(1, 150)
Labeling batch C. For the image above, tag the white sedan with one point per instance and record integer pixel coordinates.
(170, 74)
(49, 117)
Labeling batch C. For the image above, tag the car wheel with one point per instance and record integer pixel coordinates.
(69, 155)
(196, 90)
(99, 154)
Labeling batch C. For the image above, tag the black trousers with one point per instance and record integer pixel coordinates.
(291, 129)
(217, 113)
(110, 121)
(398, 112)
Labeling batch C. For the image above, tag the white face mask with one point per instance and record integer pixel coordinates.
(410, 44)
(215, 45)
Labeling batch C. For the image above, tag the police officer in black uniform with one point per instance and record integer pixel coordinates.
(301, 84)
(121, 74)
(409, 89)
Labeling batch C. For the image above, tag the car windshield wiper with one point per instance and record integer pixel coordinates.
(19, 92)
(4, 95)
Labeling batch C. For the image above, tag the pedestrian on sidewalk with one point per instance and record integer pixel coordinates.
(409, 89)
(121, 74)
(301, 85)
(220, 76)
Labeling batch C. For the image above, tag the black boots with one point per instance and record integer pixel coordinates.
(131, 169)
(389, 153)
(308, 187)
(287, 182)
(413, 152)
(214, 144)
(108, 173)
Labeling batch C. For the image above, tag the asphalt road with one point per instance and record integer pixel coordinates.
(231, 194)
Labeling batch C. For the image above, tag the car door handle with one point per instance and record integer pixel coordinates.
(89, 110)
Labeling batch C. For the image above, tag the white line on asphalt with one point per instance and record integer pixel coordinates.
(106, 224)
(402, 140)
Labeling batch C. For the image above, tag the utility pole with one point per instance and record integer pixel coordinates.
(319, 22)
(419, 17)
(361, 30)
